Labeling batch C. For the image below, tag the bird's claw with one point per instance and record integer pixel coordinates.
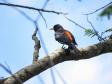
(63, 47)
(66, 50)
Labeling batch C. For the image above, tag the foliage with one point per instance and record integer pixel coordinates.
(106, 12)
(90, 33)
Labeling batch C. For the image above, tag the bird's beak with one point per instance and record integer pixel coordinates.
(51, 29)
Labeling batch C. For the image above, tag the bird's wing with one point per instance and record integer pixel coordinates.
(70, 36)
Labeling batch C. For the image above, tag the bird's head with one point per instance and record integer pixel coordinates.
(57, 27)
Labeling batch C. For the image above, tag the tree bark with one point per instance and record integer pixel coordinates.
(57, 57)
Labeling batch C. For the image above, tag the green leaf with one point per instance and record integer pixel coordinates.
(90, 33)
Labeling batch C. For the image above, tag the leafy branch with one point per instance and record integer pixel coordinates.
(90, 33)
(106, 12)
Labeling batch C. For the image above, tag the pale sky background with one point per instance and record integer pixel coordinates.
(16, 45)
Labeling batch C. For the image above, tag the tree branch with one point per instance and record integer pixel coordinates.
(32, 8)
(75, 23)
(10, 72)
(99, 9)
(37, 46)
(57, 57)
(95, 31)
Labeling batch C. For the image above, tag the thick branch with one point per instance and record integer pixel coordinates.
(37, 46)
(60, 56)
(32, 8)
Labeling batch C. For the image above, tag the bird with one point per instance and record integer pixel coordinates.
(64, 36)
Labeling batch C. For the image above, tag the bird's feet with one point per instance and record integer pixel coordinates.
(66, 50)
(63, 47)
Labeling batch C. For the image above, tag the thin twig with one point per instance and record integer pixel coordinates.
(99, 9)
(10, 72)
(95, 31)
(20, 11)
(32, 8)
(43, 18)
(75, 23)
(44, 5)
(91, 25)
(106, 37)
